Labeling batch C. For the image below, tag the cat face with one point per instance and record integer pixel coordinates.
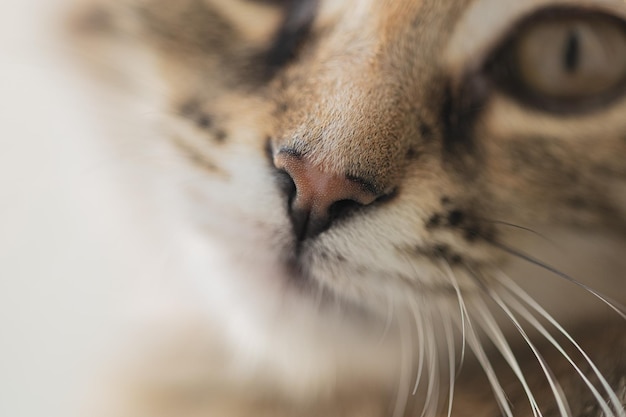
(389, 138)
(379, 153)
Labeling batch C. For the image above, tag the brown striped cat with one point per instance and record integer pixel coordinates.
(367, 194)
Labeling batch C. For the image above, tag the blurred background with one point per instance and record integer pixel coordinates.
(66, 253)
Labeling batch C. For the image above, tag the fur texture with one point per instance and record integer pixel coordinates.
(470, 181)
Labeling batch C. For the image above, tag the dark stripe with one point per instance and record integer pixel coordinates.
(191, 25)
(459, 113)
(200, 161)
(299, 16)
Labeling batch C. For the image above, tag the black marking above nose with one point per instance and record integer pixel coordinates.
(299, 16)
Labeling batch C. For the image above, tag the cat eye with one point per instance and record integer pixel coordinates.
(564, 61)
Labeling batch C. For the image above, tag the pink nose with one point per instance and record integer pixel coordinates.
(320, 196)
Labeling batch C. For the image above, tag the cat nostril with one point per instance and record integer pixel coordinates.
(319, 197)
(342, 208)
(286, 185)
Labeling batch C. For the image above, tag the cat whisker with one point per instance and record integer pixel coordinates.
(406, 364)
(388, 322)
(519, 227)
(432, 391)
(418, 318)
(523, 312)
(476, 346)
(449, 337)
(614, 305)
(517, 293)
(419, 324)
(462, 309)
(495, 334)
(561, 401)
(499, 392)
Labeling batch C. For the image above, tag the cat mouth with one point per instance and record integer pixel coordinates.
(302, 280)
(297, 273)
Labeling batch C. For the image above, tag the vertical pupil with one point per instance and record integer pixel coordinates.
(571, 56)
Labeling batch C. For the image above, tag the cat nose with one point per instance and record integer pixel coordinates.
(320, 197)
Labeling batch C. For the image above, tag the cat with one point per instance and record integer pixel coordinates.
(379, 207)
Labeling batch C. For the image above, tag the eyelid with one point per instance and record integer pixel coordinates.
(488, 23)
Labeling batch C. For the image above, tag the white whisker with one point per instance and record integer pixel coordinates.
(447, 325)
(614, 305)
(499, 340)
(419, 324)
(432, 391)
(387, 322)
(557, 391)
(477, 348)
(462, 309)
(545, 238)
(406, 364)
(519, 293)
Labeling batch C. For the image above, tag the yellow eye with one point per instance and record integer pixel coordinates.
(564, 60)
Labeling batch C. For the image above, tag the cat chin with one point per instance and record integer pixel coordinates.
(271, 333)
(264, 317)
